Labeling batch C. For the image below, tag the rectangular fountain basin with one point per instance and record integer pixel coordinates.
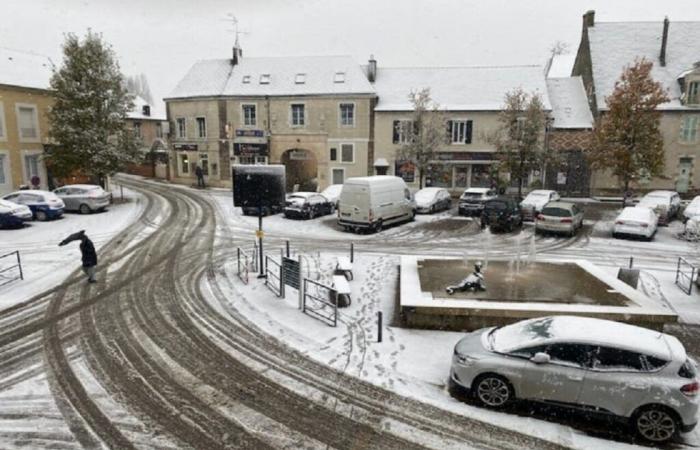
(519, 291)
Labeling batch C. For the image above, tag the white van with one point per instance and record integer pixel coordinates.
(369, 203)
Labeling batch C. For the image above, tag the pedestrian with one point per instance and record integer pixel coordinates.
(87, 251)
(200, 176)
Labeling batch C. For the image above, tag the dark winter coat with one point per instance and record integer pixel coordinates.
(88, 252)
(199, 172)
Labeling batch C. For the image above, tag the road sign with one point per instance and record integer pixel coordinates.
(291, 271)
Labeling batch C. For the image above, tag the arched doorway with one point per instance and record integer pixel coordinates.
(302, 169)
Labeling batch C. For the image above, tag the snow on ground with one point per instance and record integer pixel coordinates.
(44, 263)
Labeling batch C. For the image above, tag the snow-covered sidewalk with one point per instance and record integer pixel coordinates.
(44, 263)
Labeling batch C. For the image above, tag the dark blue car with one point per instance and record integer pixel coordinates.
(44, 205)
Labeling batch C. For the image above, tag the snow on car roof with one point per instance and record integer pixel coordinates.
(32, 191)
(635, 213)
(302, 194)
(476, 190)
(660, 194)
(430, 189)
(582, 330)
(81, 186)
(540, 192)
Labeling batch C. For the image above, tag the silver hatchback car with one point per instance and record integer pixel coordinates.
(85, 198)
(597, 366)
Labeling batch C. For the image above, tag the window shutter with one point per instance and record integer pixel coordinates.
(468, 133)
(395, 138)
(449, 131)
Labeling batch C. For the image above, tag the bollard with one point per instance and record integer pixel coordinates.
(379, 326)
(631, 261)
(352, 252)
(287, 245)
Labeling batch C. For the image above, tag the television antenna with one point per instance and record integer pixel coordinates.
(233, 21)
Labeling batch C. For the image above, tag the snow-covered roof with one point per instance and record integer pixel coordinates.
(561, 65)
(615, 45)
(297, 75)
(157, 110)
(25, 69)
(588, 330)
(457, 88)
(569, 103)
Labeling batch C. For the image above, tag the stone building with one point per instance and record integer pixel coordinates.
(150, 125)
(312, 114)
(674, 48)
(24, 130)
(471, 98)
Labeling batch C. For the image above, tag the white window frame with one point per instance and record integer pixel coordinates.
(405, 134)
(36, 122)
(689, 134)
(455, 131)
(340, 114)
(336, 154)
(693, 98)
(331, 174)
(26, 177)
(3, 123)
(300, 78)
(137, 129)
(180, 164)
(181, 133)
(6, 171)
(243, 117)
(265, 78)
(340, 152)
(291, 115)
(204, 120)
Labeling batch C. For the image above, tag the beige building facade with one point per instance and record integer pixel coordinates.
(24, 130)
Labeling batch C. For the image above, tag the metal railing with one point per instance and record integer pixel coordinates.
(246, 263)
(273, 279)
(320, 302)
(4, 278)
(685, 275)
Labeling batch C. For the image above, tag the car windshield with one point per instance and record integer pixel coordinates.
(425, 195)
(556, 212)
(522, 334)
(472, 195)
(496, 205)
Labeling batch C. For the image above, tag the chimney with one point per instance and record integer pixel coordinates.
(237, 53)
(372, 69)
(664, 40)
(589, 19)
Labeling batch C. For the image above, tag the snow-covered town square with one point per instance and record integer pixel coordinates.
(349, 224)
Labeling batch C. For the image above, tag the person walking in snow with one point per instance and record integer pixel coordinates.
(87, 251)
(200, 176)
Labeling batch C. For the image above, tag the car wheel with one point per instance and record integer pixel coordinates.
(41, 216)
(492, 390)
(84, 209)
(655, 423)
(432, 209)
(378, 227)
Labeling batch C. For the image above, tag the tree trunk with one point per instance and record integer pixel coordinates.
(626, 189)
(420, 178)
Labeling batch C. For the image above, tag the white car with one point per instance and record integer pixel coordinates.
(642, 377)
(639, 221)
(13, 214)
(666, 204)
(559, 217)
(535, 201)
(692, 210)
(332, 194)
(44, 205)
(432, 199)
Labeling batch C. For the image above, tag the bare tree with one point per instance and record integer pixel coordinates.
(627, 139)
(519, 137)
(138, 85)
(427, 132)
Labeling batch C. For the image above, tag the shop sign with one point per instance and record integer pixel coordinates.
(465, 156)
(240, 149)
(299, 155)
(250, 133)
(185, 147)
(406, 170)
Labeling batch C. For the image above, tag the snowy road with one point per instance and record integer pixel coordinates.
(143, 360)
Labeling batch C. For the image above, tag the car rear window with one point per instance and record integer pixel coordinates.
(556, 212)
(496, 205)
(687, 370)
(472, 196)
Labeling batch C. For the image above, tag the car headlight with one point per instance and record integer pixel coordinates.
(465, 360)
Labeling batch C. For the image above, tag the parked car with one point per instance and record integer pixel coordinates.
(85, 198)
(535, 201)
(307, 205)
(692, 210)
(432, 199)
(639, 221)
(370, 203)
(666, 204)
(472, 201)
(559, 217)
(332, 194)
(501, 213)
(13, 214)
(633, 374)
(44, 205)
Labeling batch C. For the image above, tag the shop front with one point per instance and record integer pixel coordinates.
(458, 170)
(250, 147)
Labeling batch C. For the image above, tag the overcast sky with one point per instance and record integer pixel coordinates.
(163, 38)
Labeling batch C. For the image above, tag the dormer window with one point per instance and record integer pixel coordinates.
(146, 110)
(265, 78)
(246, 79)
(339, 77)
(300, 78)
(693, 93)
